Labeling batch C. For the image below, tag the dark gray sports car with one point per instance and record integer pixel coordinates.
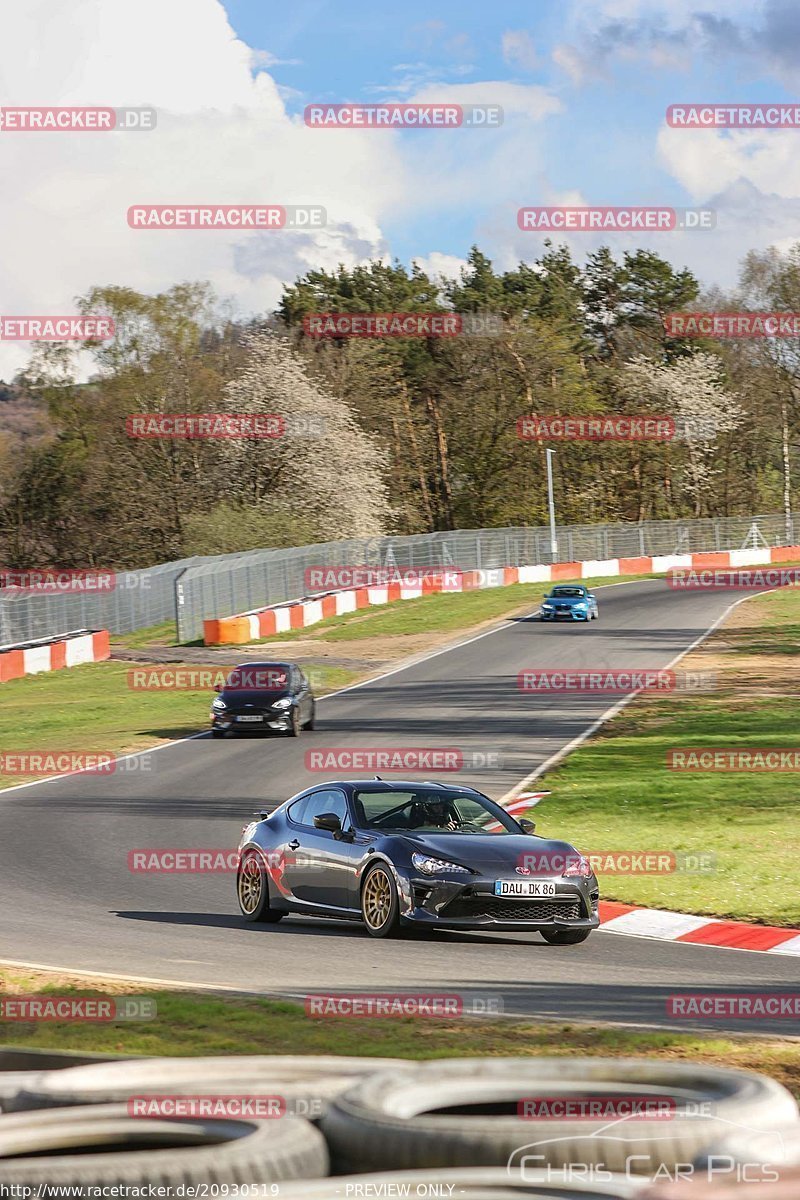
(412, 854)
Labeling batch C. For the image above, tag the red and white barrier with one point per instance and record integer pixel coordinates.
(250, 626)
(68, 651)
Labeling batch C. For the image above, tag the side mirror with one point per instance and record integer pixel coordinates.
(328, 821)
(527, 826)
(217, 687)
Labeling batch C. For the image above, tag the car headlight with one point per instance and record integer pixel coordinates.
(581, 604)
(432, 866)
(547, 606)
(284, 703)
(577, 865)
(218, 704)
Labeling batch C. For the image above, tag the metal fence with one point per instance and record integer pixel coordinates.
(194, 589)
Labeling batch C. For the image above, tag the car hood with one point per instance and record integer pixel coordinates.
(494, 852)
(242, 696)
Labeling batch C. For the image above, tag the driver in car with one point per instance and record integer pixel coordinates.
(439, 814)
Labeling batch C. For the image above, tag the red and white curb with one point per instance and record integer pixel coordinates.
(698, 931)
(679, 927)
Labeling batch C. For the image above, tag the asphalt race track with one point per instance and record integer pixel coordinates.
(68, 899)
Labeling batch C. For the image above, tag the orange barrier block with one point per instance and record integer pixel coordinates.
(328, 606)
(785, 553)
(510, 575)
(296, 616)
(635, 566)
(226, 631)
(102, 645)
(566, 571)
(58, 655)
(267, 623)
(12, 665)
(709, 561)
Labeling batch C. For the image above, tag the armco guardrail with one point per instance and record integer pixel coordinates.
(191, 590)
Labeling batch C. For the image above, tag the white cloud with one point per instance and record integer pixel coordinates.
(223, 136)
(519, 50)
(478, 169)
(438, 266)
(705, 161)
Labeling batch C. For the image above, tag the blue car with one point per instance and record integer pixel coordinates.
(569, 602)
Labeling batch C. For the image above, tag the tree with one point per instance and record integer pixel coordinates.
(324, 469)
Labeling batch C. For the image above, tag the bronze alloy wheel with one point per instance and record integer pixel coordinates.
(250, 885)
(253, 892)
(379, 904)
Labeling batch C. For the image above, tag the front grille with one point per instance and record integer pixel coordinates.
(498, 909)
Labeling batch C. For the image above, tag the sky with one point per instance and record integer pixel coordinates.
(584, 86)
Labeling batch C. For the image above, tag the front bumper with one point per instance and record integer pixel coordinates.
(566, 614)
(271, 720)
(473, 905)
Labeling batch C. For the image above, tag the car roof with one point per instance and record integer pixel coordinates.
(264, 663)
(397, 785)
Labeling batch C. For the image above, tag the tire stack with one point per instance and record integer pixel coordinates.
(443, 1129)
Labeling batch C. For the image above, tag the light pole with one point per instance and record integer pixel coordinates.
(551, 506)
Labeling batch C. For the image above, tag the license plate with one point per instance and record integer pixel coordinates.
(249, 718)
(524, 887)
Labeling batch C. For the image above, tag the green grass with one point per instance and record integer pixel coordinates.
(154, 635)
(92, 708)
(190, 1024)
(777, 630)
(449, 612)
(616, 792)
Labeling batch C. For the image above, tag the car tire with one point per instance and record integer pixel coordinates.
(102, 1146)
(565, 937)
(252, 891)
(380, 906)
(311, 722)
(465, 1113)
(309, 1081)
(294, 723)
(218, 733)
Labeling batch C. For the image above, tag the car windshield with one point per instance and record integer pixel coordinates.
(258, 677)
(572, 592)
(428, 811)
